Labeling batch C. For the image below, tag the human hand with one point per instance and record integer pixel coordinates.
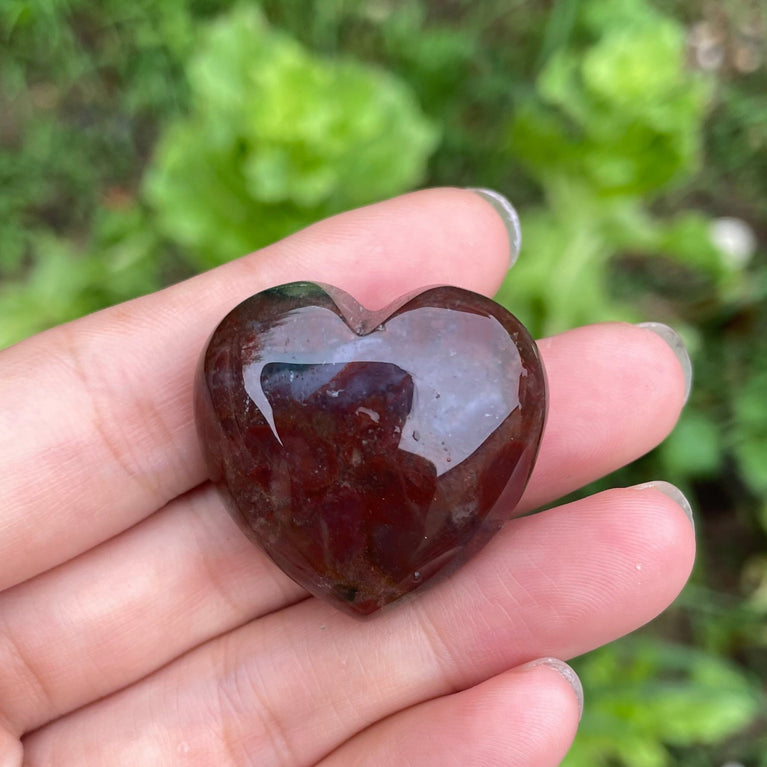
(138, 626)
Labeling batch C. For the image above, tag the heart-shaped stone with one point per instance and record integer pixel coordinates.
(367, 452)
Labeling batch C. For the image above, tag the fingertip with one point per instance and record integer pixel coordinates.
(564, 671)
(508, 214)
(657, 539)
(672, 492)
(669, 533)
(676, 343)
(615, 392)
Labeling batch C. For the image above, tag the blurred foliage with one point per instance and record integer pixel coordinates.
(668, 697)
(615, 120)
(312, 138)
(142, 142)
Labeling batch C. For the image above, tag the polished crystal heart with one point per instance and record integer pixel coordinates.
(368, 452)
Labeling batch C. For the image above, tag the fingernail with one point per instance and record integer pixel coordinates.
(674, 340)
(565, 672)
(673, 492)
(510, 218)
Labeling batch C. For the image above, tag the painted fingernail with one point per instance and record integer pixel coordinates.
(673, 492)
(674, 340)
(510, 218)
(566, 673)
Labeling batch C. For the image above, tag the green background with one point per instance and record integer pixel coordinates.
(143, 142)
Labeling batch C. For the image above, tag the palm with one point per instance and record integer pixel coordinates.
(138, 626)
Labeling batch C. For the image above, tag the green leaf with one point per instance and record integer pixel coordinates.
(644, 696)
(750, 430)
(694, 448)
(622, 114)
(278, 138)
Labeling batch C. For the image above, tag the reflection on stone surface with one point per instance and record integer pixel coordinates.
(367, 452)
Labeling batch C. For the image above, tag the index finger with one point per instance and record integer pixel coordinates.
(100, 409)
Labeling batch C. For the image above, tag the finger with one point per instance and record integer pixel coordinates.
(189, 571)
(615, 392)
(100, 408)
(292, 686)
(11, 751)
(125, 608)
(526, 717)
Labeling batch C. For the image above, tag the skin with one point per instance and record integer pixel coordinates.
(139, 627)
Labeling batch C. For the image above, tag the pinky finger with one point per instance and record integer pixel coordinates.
(526, 717)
